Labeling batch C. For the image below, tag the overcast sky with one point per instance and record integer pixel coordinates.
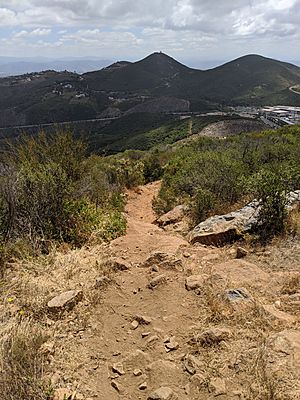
(189, 30)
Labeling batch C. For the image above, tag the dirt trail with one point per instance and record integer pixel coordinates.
(109, 356)
(142, 235)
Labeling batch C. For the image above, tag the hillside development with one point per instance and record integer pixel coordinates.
(158, 318)
(157, 83)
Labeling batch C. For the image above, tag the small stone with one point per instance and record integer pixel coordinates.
(194, 282)
(143, 319)
(137, 372)
(163, 393)
(143, 386)
(155, 268)
(118, 368)
(239, 294)
(145, 334)
(152, 339)
(158, 280)
(217, 386)
(134, 324)
(117, 386)
(171, 345)
(241, 252)
(65, 300)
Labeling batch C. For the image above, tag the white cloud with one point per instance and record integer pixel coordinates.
(133, 28)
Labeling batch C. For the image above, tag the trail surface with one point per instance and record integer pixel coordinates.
(127, 339)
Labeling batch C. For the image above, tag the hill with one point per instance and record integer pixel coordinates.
(51, 96)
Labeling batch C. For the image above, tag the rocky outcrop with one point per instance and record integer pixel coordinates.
(221, 229)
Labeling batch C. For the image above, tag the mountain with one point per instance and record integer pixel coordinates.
(141, 86)
(250, 79)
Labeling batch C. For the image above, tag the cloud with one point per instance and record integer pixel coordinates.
(136, 27)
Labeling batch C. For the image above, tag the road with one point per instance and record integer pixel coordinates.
(293, 90)
(58, 123)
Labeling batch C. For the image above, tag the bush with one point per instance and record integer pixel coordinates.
(48, 191)
(203, 202)
(271, 188)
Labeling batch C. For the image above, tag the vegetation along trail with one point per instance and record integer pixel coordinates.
(157, 323)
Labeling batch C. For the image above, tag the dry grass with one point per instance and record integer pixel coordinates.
(22, 364)
(291, 285)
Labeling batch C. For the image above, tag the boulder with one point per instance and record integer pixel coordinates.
(66, 300)
(173, 216)
(222, 229)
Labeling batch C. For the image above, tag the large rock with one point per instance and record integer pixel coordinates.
(173, 216)
(66, 300)
(221, 229)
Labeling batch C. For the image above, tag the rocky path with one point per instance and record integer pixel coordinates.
(148, 337)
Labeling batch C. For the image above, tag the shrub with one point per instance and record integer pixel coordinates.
(202, 203)
(271, 188)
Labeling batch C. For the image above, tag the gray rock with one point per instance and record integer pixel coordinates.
(163, 393)
(237, 294)
(222, 229)
(66, 300)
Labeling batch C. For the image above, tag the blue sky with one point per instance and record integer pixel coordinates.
(130, 29)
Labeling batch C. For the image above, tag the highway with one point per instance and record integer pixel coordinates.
(58, 123)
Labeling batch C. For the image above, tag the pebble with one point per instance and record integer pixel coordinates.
(143, 386)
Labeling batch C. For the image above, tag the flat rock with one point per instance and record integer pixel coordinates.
(65, 300)
(163, 393)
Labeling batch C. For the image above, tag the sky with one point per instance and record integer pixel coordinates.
(192, 31)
